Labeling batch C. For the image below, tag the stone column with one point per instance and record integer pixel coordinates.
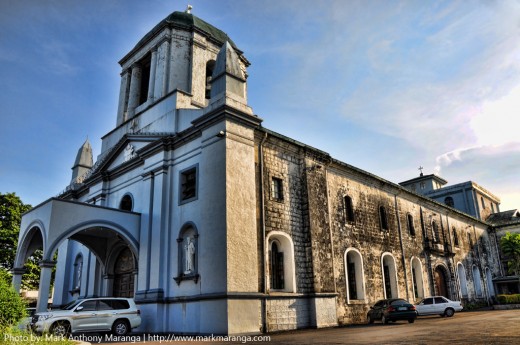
(17, 277)
(135, 89)
(123, 98)
(151, 82)
(45, 285)
(161, 79)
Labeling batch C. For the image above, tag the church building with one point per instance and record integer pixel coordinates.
(215, 224)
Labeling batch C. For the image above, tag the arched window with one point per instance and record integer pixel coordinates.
(78, 269)
(383, 220)
(489, 280)
(435, 232)
(449, 201)
(417, 278)
(280, 258)
(354, 275)
(210, 66)
(277, 270)
(349, 209)
(126, 203)
(477, 282)
(462, 280)
(409, 222)
(389, 276)
(455, 237)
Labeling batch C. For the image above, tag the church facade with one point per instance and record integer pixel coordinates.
(215, 224)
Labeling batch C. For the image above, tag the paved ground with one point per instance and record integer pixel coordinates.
(479, 327)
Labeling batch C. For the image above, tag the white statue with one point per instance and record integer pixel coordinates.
(189, 255)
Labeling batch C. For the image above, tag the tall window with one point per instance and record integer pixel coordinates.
(277, 269)
(482, 202)
(349, 209)
(210, 66)
(389, 276)
(188, 184)
(277, 188)
(417, 278)
(470, 241)
(383, 221)
(78, 269)
(435, 232)
(414, 279)
(409, 222)
(145, 78)
(354, 275)
(449, 201)
(455, 237)
(463, 283)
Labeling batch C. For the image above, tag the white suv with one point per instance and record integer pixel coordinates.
(117, 315)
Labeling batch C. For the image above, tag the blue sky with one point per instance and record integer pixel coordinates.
(386, 86)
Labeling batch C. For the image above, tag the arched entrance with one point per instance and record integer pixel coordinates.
(441, 283)
(124, 273)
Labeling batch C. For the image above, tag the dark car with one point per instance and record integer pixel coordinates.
(392, 309)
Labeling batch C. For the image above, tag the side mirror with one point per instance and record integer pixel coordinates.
(80, 308)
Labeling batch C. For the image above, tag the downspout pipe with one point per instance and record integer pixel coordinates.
(403, 259)
(262, 225)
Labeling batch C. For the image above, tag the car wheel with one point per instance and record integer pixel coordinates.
(370, 319)
(384, 320)
(120, 328)
(411, 320)
(449, 312)
(60, 329)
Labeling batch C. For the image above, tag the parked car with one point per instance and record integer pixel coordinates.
(438, 305)
(117, 315)
(25, 323)
(392, 309)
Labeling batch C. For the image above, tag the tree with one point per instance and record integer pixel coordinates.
(11, 210)
(12, 307)
(510, 244)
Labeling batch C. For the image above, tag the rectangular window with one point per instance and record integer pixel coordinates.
(277, 189)
(352, 288)
(188, 184)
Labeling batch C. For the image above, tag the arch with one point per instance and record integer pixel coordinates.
(286, 247)
(417, 277)
(127, 202)
(463, 283)
(354, 275)
(440, 278)
(120, 230)
(389, 271)
(489, 280)
(477, 283)
(34, 237)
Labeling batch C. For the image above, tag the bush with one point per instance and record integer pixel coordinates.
(509, 299)
(12, 306)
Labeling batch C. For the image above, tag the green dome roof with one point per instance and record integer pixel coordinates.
(189, 22)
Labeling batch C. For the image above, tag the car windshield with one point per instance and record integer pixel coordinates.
(71, 305)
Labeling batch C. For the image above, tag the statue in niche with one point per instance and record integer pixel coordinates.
(189, 256)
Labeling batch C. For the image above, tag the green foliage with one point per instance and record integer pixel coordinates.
(509, 299)
(31, 278)
(510, 244)
(12, 307)
(11, 210)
